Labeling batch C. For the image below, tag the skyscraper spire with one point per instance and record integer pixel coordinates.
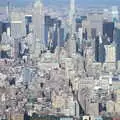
(72, 16)
(72, 5)
(8, 11)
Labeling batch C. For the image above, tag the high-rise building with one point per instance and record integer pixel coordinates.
(6, 27)
(72, 33)
(27, 75)
(62, 36)
(1, 30)
(115, 14)
(99, 50)
(47, 27)
(72, 18)
(8, 11)
(93, 25)
(110, 53)
(17, 25)
(38, 27)
(18, 30)
(80, 41)
(72, 45)
(28, 21)
(108, 28)
(54, 31)
(116, 38)
(16, 48)
(107, 14)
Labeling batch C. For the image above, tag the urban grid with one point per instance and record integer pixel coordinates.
(59, 62)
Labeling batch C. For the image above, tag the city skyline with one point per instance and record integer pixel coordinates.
(59, 60)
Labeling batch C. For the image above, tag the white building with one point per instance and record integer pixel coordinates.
(115, 13)
(72, 39)
(110, 53)
(38, 27)
(72, 13)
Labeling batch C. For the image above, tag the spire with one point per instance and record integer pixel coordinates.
(72, 16)
(8, 11)
(72, 4)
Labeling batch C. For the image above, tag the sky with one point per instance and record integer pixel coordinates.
(56, 2)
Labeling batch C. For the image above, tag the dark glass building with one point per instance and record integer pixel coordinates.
(108, 28)
(28, 21)
(99, 51)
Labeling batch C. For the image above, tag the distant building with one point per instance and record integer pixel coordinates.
(57, 33)
(4, 27)
(79, 47)
(18, 29)
(38, 27)
(47, 27)
(54, 27)
(99, 50)
(116, 37)
(72, 26)
(115, 14)
(102, 53)
(28, 21)
(72, 17)
(16, 48)
(110, 53)
(78, 23)
(62, 36)
(93, 25)
(108, 28)
(27, 75)
(1, 30)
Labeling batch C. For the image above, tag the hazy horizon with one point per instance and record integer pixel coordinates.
(65, 2)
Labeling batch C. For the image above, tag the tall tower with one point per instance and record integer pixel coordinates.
(72, 37)
(72, 13)
(8, 11)
(38, 27)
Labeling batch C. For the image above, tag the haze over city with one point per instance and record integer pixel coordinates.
(57, 2)
(59, 60)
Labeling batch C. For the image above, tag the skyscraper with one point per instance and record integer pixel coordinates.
(108, 28)
(99, 50)
(17, 25)
(72, 16)
(1, 30)
(38, 27)
(115, 14)
(116, 37)
(28, 21)
(72, 36)
(93, 25)
(110, 53)
(47, 26)
(8, 11)
(18, 30)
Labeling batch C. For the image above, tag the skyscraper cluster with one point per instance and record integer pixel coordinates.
(67, 66)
